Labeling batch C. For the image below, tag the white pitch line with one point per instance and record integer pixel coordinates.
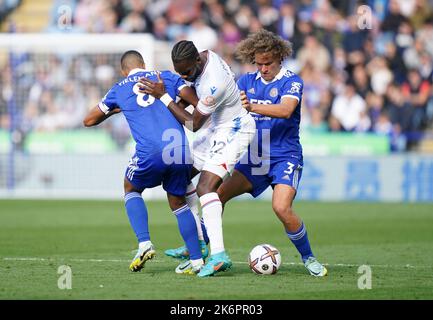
(61, 259)
(236, 262)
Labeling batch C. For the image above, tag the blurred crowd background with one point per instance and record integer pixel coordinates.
(367, 65)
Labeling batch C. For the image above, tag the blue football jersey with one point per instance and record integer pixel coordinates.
(284, 133)
(152, 125)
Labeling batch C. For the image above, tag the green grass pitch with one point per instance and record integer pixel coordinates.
(95, 240)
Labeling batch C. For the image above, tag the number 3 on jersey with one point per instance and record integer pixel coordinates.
(141, 101)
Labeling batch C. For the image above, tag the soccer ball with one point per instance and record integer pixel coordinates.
(264, 259)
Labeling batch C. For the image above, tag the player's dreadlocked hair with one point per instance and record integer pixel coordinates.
(260, 42)
(184, 50)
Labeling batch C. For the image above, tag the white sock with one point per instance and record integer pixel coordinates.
(197, 263)
(192, 201)
(212, 217)
(143, 244)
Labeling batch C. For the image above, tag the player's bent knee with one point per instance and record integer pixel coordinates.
(176, 202)
(225, 193)
(204, 189)
(209, 182)
(222, 195)
(282, 210)
(128, 187)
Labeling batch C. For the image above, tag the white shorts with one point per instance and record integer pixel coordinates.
(217, 150)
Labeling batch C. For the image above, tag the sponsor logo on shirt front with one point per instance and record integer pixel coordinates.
(258, 101)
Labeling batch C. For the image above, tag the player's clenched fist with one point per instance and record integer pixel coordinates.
(153, 88)
(245, 101)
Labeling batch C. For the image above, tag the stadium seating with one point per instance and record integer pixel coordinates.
(331, 50)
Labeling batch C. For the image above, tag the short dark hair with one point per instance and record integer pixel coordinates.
(131, 59)
(184, 50)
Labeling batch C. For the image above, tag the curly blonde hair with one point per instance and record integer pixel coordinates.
(260, 42)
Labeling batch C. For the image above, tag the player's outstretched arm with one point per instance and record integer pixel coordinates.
(95, 116)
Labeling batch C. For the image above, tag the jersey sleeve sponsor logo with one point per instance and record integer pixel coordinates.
(296, 88)
(213, 90)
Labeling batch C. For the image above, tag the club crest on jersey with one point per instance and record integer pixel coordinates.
(212, 90)
(252, 91)
(274, 92)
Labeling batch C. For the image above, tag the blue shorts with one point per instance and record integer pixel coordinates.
(146, 171)
(286, 171)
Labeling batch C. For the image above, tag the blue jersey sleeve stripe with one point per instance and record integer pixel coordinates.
(181, 87)
(103, 108)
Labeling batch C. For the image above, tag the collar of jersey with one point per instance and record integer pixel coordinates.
(277, 77)
(135, 71)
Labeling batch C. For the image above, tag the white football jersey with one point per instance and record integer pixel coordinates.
(218, 92)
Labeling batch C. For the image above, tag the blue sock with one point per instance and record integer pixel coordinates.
(300, 240)
(203, 229)
(137, 214)
(188, 230)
